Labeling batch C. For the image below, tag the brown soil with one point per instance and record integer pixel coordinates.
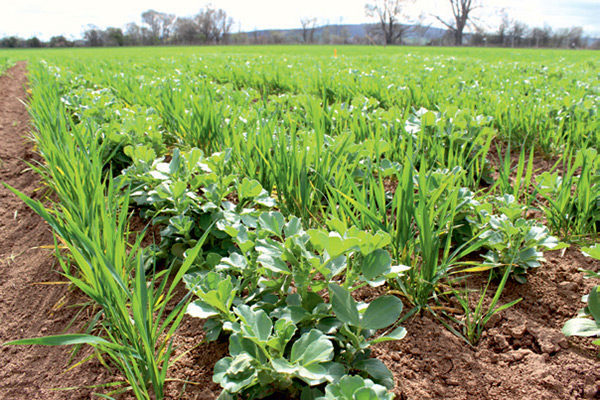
(541, 162)
(35, 298)
(521, 355)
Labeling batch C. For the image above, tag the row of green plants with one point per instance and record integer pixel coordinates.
(270, 202)
(5, 63)
(324, 140)
(531, 102)
(338, 145)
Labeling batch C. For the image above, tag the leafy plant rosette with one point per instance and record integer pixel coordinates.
(283, 336)
(297, 352)
(187, 195)
(512, 240)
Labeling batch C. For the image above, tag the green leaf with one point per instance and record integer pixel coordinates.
(174, 164)
(235, 260)
(212, 329)
(249, 189)
(581, 327)
(256, 323)
(235, 374)
(355, 387)
(312, 347)
(66, 340)
(293, 227)
(335, 371)
(382, 312)
(559, 246)
(335, 224)
(313, 374)
(375, 368)
(274, 264)
(178, 189)
(350, 384)
(343, 305)
(265, 200)
(283, 366)
(226, 292)
(365, 394)
(221, 297)
(594, 303)
(269, 247)
(272, 221)
(221, 368)
(239, 344)
(593, 251)
(284, 331)
(397, 334)
(428, 119)
(199, 309)
(376, 264)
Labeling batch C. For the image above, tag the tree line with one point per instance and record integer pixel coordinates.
(394, 26)
(208, 26)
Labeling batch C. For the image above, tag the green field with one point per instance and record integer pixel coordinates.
(278, 175)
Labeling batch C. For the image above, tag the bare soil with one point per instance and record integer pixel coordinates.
(34, 299)
(522, 355)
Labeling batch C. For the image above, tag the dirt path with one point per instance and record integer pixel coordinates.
(29, 308)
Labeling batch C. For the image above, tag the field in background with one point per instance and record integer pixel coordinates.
(325, 50)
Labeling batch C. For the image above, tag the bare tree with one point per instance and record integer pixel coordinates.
(204, 19)
(517, 33)
(159, 26)
(511, 32)
(389, 13)
(461, 10)
(93, 36)
(186, 30)
(167, 24)
(503, 28)
(133, 34)
(214, 25)
(153, 20)
(541, 36)
(221, 26)
(308, 29)
(575, 37)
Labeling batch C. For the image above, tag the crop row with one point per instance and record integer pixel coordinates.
(5, 63)
(546, 105)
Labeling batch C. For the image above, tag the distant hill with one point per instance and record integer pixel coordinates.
(343, 33)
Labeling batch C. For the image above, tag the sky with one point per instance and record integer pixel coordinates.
(44, 18)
